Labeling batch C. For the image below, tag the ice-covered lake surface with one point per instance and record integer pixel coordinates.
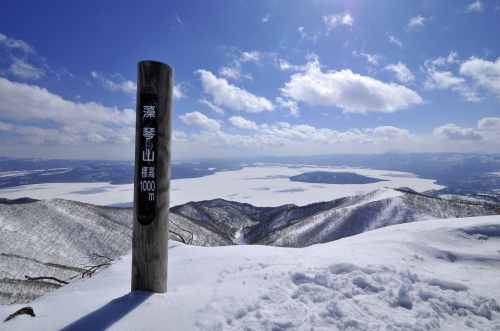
(430, 275)
(266, 186)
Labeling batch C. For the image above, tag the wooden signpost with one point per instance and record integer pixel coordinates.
(152, 176)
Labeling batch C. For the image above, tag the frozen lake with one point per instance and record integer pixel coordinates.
(259, 186)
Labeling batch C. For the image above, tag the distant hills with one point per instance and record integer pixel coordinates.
(327, 177)
(464, 171)
(56, 237)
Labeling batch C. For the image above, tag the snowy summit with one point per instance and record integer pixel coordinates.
(430, 275)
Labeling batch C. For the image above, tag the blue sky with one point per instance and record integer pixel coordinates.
(252, 77)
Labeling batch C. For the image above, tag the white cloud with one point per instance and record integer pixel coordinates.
(233, 70)
(307, 36)
(489, 123)
(403, 74)
(290, 104)
(210, 105)
(302, 33)
(285, 65)
(372, 58)
(416, 22)
(178, 19)
(333, 21)
(24, 70)
(454, 132)
(22, 102)
(250, 56)
(347, 90)
(441, 61)
(266, 18)
(5, 126)
(243, 123)
(15, 44)
(228, 95)
(484, 73)
(390, 132)
(392, 39)
(232, 73)
(179, 136)
(437, 79)
(198, 119)
(177, 92)
(477, 6)
(115, 83)
(441, 80)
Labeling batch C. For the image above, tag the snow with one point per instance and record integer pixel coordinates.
(265, 186)
(432, 275)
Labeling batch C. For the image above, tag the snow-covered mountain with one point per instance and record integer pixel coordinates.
(56, 237)
(432, 275)
(293, 226)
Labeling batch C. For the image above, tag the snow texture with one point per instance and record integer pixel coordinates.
(433, 275)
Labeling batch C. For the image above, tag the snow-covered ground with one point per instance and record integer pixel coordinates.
(431, 275)
(265, 186)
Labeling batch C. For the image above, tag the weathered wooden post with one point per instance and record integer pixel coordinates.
(152, 176)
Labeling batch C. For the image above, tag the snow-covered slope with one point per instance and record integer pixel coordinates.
(380, 208)
(433, 275)
(54, 238)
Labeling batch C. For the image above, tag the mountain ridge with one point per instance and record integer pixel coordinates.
(54, 237)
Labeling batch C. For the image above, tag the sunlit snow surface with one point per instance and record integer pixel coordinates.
(265, 186)
(432, 275)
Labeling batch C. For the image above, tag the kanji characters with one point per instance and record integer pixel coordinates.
(149, 111)
(148, 133)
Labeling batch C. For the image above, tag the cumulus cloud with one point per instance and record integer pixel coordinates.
(403, 74)
(442, 61)
(22, 102)
(290, 104)
(390, 132)
(233, 69)
(347, 90)
(266, 18)
(233, 73)
(454, 132)
(228, 95)
(476, 6)
(484, 73)
(179, 136)
(489, 123)
(210, 105)
(392, 39)
(441, 80)
(332, 21)
(243, 123)
(201, 120)
(177, 92)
